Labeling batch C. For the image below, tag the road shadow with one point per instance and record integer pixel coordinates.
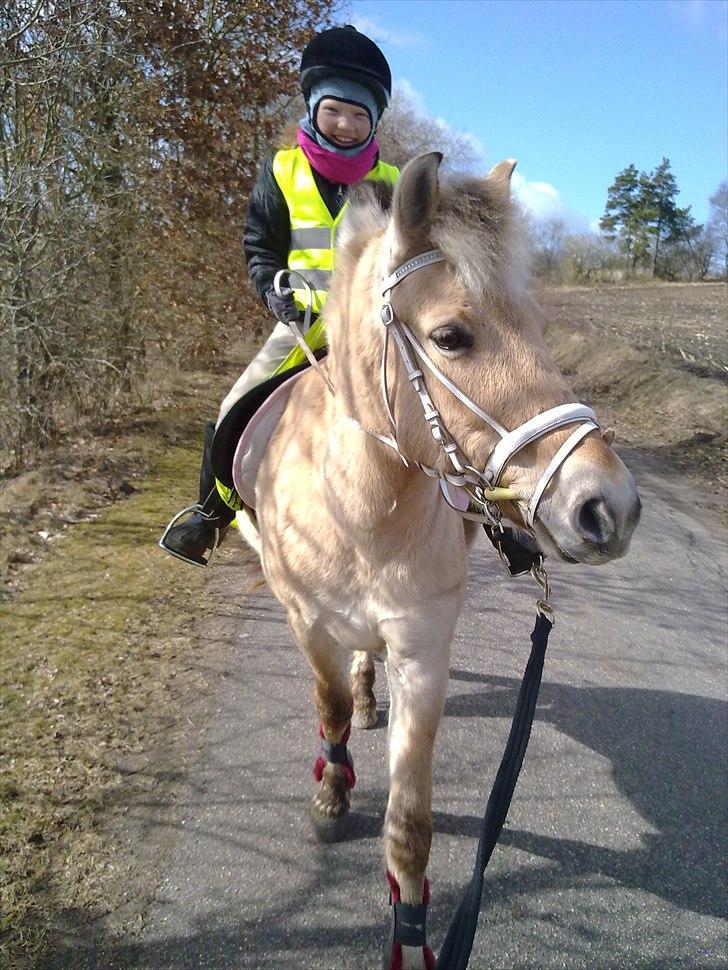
(667, 756)
(667, 753)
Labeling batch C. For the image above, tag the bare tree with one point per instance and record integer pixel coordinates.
(591, 257)
(405, 131)
(718, 227)
(548, 238)
(130, 132)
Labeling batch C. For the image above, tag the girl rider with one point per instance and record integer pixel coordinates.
(295, 206)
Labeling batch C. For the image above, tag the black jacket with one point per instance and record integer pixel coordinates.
(268, 228)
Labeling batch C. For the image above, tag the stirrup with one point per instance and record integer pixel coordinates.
(207, 516)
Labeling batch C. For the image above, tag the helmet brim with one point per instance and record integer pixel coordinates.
(311, 75)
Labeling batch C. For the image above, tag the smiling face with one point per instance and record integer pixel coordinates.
(342, 123)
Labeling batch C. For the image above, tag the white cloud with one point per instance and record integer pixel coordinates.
(543, 201)
(403, 39)
(411, 93)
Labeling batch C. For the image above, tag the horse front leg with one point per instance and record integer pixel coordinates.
(333, 768)
(417, 684)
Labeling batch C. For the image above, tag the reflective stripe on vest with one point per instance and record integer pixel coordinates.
(313, 228)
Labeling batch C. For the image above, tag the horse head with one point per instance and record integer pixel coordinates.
(471, 315)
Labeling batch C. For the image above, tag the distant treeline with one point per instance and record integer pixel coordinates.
(643, 233)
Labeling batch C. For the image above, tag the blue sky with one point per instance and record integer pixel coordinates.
(574, 89)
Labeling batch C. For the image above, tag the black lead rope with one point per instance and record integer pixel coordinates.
(455, 952)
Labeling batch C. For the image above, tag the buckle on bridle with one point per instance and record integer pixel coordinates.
(387, 314)
(543, 607)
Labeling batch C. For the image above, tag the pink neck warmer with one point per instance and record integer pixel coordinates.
(338, 168)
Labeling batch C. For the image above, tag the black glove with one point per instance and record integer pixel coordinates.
(282, 307)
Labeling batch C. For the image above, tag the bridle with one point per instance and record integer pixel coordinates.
(482, 486)
(482, 483)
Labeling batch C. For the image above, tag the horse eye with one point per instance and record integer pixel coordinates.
(451, 339)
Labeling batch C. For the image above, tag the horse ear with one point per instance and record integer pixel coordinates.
(501, 173)
(414, 203)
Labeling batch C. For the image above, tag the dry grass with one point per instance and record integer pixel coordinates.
(89, 647)
(97, 663)
(654, 362)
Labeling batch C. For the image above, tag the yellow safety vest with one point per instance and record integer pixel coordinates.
(313, 231)
(313, 228)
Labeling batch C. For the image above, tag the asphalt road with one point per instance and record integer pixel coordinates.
(615, 848)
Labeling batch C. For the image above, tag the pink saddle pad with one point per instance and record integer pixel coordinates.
(254, 440)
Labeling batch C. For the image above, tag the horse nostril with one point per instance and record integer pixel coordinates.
(596, 522)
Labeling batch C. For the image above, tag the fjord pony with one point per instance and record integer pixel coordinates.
(359, 547)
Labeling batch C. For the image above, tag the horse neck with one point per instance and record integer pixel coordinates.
(374, 484)
(371, 489)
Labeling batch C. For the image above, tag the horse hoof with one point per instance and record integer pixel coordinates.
(326, 828)
(365, 718)
(399, 957)
(329, 813)
(409, 958)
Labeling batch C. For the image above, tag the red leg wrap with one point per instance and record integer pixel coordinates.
(347, 765)
(396, 955)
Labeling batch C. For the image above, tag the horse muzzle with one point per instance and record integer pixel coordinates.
(588, 513)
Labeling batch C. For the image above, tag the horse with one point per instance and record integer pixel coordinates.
(355, 537)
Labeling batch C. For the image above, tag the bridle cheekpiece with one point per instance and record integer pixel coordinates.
(482, 486)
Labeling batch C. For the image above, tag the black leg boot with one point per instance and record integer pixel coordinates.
(206, 523)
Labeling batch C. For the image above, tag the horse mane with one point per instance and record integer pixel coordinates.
(477, 225)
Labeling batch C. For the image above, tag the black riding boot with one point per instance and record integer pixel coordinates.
(208, 522)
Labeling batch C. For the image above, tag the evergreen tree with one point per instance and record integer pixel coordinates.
(664, 220)
(621, 219)
(642, 213)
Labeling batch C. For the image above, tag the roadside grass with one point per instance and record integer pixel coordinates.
(91, 650)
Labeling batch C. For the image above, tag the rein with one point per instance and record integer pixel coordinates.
(455, 952)
(482, 486)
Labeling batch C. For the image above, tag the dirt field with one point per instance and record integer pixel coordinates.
(101, 682)
(685, 323)
(653, 361)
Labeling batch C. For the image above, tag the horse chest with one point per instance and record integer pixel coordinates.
(354, 626)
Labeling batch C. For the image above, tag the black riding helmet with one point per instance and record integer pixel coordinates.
(344, 52)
